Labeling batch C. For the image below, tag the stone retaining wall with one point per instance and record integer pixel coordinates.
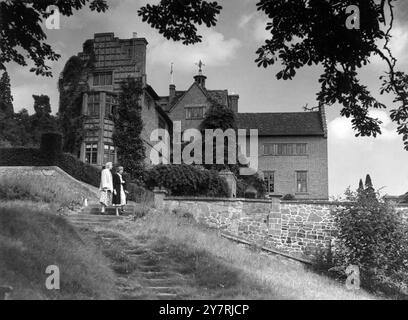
(298, 228)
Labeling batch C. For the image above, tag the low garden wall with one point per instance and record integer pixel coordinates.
(297, 228)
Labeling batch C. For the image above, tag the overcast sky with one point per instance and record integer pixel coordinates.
(229, 53)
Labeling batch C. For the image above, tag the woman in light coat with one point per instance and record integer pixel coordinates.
(106, 187)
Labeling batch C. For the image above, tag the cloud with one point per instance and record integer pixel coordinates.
(351, 158)
(245, 19)
(341, 130)
(398, 45)
(215, 50)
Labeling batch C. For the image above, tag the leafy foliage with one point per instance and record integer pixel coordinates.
(42, 104)
(70, 105)
(128, 128)
(371, 234)
(219, 117)
(178, 19)
(254, 181)
(306, 33)
(186, 180)
(22, 31)
(6, 99)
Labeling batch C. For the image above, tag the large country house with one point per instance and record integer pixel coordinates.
(293, 155)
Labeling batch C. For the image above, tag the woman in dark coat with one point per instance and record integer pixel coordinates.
(119, 190)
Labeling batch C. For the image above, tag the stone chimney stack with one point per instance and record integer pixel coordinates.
(322, 111)
(233, 102)
(172, 92)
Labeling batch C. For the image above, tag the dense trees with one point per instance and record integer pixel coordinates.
(22, 129)
(6, 99)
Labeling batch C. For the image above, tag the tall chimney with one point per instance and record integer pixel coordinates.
(233, 102)
(172, 93)
(322, 111)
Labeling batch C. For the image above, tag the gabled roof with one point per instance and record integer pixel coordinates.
(283, 124)
(220, 96)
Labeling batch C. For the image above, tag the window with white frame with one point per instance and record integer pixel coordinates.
(301, 181)
(91, 153)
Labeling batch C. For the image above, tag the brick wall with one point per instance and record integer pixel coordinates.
(297, 228)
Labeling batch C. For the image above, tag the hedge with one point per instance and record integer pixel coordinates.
(14, 157)
(186, 180)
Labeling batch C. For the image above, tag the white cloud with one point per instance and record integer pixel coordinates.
(245, 19)
(398, 46)
(341, 130)
(215, 50)
(260, 34)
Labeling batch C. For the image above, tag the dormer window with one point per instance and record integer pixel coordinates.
(102, 79)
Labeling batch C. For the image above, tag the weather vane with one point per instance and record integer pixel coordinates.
(200, 65)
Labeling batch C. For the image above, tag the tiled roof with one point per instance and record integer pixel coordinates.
(282, 124)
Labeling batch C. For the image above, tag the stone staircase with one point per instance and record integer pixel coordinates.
(95, 209)
(147, 278)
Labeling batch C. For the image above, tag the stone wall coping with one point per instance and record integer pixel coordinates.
(209, 199)
(320, 202)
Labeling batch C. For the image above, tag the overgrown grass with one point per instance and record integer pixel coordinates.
(32, 238)
(40, 188)
(222, 269)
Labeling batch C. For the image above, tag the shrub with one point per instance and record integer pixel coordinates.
(288, 197)
(81, 171)
(139, 194)
(185, 180)
(372, 236)
(247, 181)
(51, 144)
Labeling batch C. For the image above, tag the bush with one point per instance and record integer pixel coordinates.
(247, 181)
(372, 236)
(51, 144)
(185, 180)
(81, 171)
(288, 197)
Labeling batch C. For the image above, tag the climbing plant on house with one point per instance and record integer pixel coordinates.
(71, 85)
(128, 128)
